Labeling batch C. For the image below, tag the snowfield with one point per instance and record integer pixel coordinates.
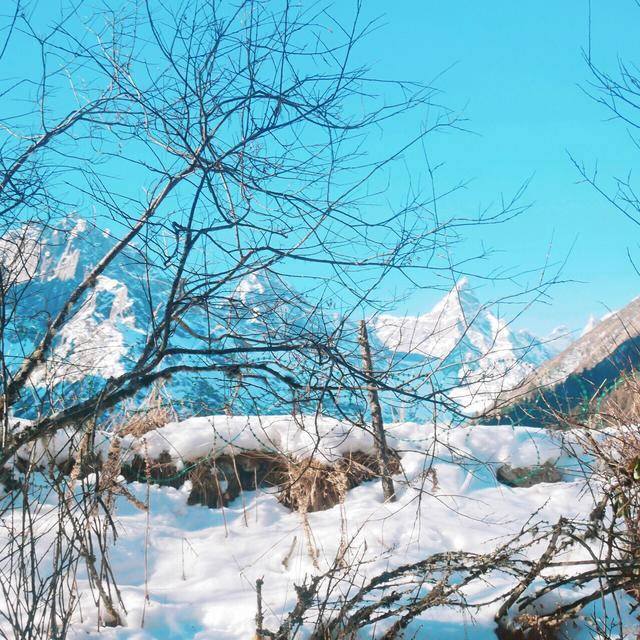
(190, 572)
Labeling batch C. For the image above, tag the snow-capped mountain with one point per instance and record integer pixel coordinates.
(471, 349)
(52, 262)
(108, 328)
(460, 344)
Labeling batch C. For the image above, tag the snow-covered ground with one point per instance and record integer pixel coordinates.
(202, 564)
(321, 437)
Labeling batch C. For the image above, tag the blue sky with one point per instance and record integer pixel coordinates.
(515, 70)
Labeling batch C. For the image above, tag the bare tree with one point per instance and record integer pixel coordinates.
(376, 417)
(251, 152)
(208, 143)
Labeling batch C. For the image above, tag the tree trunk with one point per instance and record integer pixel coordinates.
(382, 452)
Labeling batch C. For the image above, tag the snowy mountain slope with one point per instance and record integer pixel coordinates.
(470, 347)
(93, 341)
(460, 343)
(596, 343)
(108, 329)
(589, 366)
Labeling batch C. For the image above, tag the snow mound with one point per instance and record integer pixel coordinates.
(323, 438)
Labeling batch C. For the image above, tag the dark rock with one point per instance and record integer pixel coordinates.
(528, 476)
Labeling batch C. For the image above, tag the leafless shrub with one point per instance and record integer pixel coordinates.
(247, 152)
(340, 604)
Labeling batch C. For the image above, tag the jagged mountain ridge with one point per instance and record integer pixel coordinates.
(460, 342)
(471, 348)
(108, 329)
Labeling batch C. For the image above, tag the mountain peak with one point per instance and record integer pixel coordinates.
(249, 285)
(471, 346)
(460, 307)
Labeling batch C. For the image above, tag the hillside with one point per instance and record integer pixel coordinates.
(580, 377)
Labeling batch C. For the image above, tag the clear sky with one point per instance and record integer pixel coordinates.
(517, 75)
(515, 71)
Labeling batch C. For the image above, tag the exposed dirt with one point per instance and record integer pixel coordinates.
(528, 627)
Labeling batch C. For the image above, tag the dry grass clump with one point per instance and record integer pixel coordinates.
(142, 422)
(313, 486)
(529, 627)
(215, 483)
(162, 470)
(304, 485)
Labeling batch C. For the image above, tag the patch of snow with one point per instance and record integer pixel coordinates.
(20, 252)
(90, 343)
(80, 227)
(67, 263)
(320, 437)
(560, 338)
(591, 323)
(249, 285)
(202, 564)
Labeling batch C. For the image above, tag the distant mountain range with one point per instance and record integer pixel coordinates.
(460, 346)
(106, 332)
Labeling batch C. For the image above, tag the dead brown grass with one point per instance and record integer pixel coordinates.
(303, 485)
(144, 421)
(529, 627)
(312, 486)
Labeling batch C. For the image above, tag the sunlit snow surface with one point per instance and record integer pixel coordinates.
(203, 563)
(320, 437)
